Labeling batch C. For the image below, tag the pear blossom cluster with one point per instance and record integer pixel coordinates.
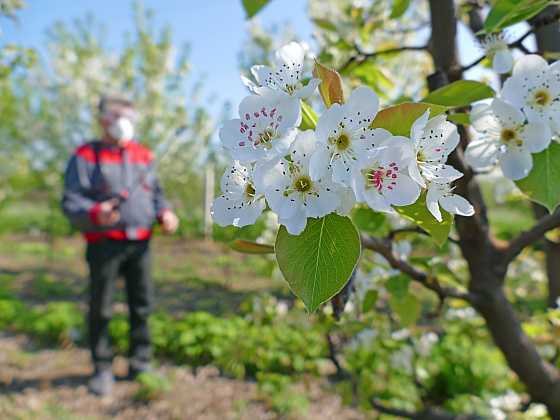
(521, 121)
(300, 174)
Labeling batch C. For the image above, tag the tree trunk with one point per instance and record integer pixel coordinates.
(487, 268)
(209, 181)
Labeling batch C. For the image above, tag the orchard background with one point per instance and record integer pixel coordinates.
(420, 319)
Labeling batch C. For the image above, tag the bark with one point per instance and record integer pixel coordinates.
(548, 40)
(485, 258)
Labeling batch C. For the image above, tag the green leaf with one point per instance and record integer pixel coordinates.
(460, 118)
(460, 93)
(308, 117)
(252, 7)
(419, 214)
(325, 24)
(370, 74)
(318, 262)
(542, 185)
(248, 247)
(408, 308)
(399, 8)
(399, 118)
(398, 285)
(330, 87)
(367, 220)
(370, 299)
(508, 12)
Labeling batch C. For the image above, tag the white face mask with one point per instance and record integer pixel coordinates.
(122, 129)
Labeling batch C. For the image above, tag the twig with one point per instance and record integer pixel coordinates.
(532, 235)
(383, 247)
(391, 411)
(363, 56)
(515, 44)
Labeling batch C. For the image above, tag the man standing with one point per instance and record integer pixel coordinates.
(112, 195)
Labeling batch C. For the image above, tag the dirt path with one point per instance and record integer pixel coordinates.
(52, 384)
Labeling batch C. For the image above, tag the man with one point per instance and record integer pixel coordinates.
(112, 195)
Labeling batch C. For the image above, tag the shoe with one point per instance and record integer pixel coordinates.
(101, 383)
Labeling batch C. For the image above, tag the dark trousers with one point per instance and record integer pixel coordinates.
(107, 260)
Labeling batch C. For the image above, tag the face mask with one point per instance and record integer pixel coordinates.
(122, 129)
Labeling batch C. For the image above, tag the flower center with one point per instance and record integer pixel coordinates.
(249, 191)
(291, 89)
(303, 184)
(378, 176)
(266, 137)
(342, 142)
(508, 135)
(542, 97)
(420, 156)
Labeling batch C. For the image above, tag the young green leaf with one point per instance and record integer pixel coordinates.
(508, 12)
(308, 117)
(399, 8)
(399, 118)
(252, 7)
(318, 262)
(542, 185)
(330, 87)
(460, 93)
(419, 214)
(460, 118)
(248, 247)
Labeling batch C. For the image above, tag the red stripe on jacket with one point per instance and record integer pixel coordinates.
(142, 234)
(136, 153)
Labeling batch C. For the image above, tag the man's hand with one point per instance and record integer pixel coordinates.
(169, 221)
(108, 212)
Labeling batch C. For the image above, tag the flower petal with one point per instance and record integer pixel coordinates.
(419, 125)
(482, 154)
(361, 107)
(295, 224)
(502, 61)
(405, 192)
(326, 201)
(432, 201)
(308, 89)
(529, 65)
(319, 164)
(249, 213)
(455, 204)
(536, 136)
(516, 163)
(507, 114)
(484, 120)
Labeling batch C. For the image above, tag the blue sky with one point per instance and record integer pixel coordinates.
(215, 30)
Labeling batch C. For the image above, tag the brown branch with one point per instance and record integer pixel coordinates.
(383, 248)
(363, 56)
(426, 414)
(528, 237)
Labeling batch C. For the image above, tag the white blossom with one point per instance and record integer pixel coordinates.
(344, 136)
(497, 50)
(240, 204)
(381, 179)
(265, 129)
(433, 140)
(504, 137)
(286, 75)
(290, 191)
(442, 194)
(534, 87)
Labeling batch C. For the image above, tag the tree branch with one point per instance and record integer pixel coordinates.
(426, 414)
(532, 235)
(363, 56)
(383, 248)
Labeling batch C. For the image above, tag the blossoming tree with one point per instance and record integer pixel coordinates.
(418, 160)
